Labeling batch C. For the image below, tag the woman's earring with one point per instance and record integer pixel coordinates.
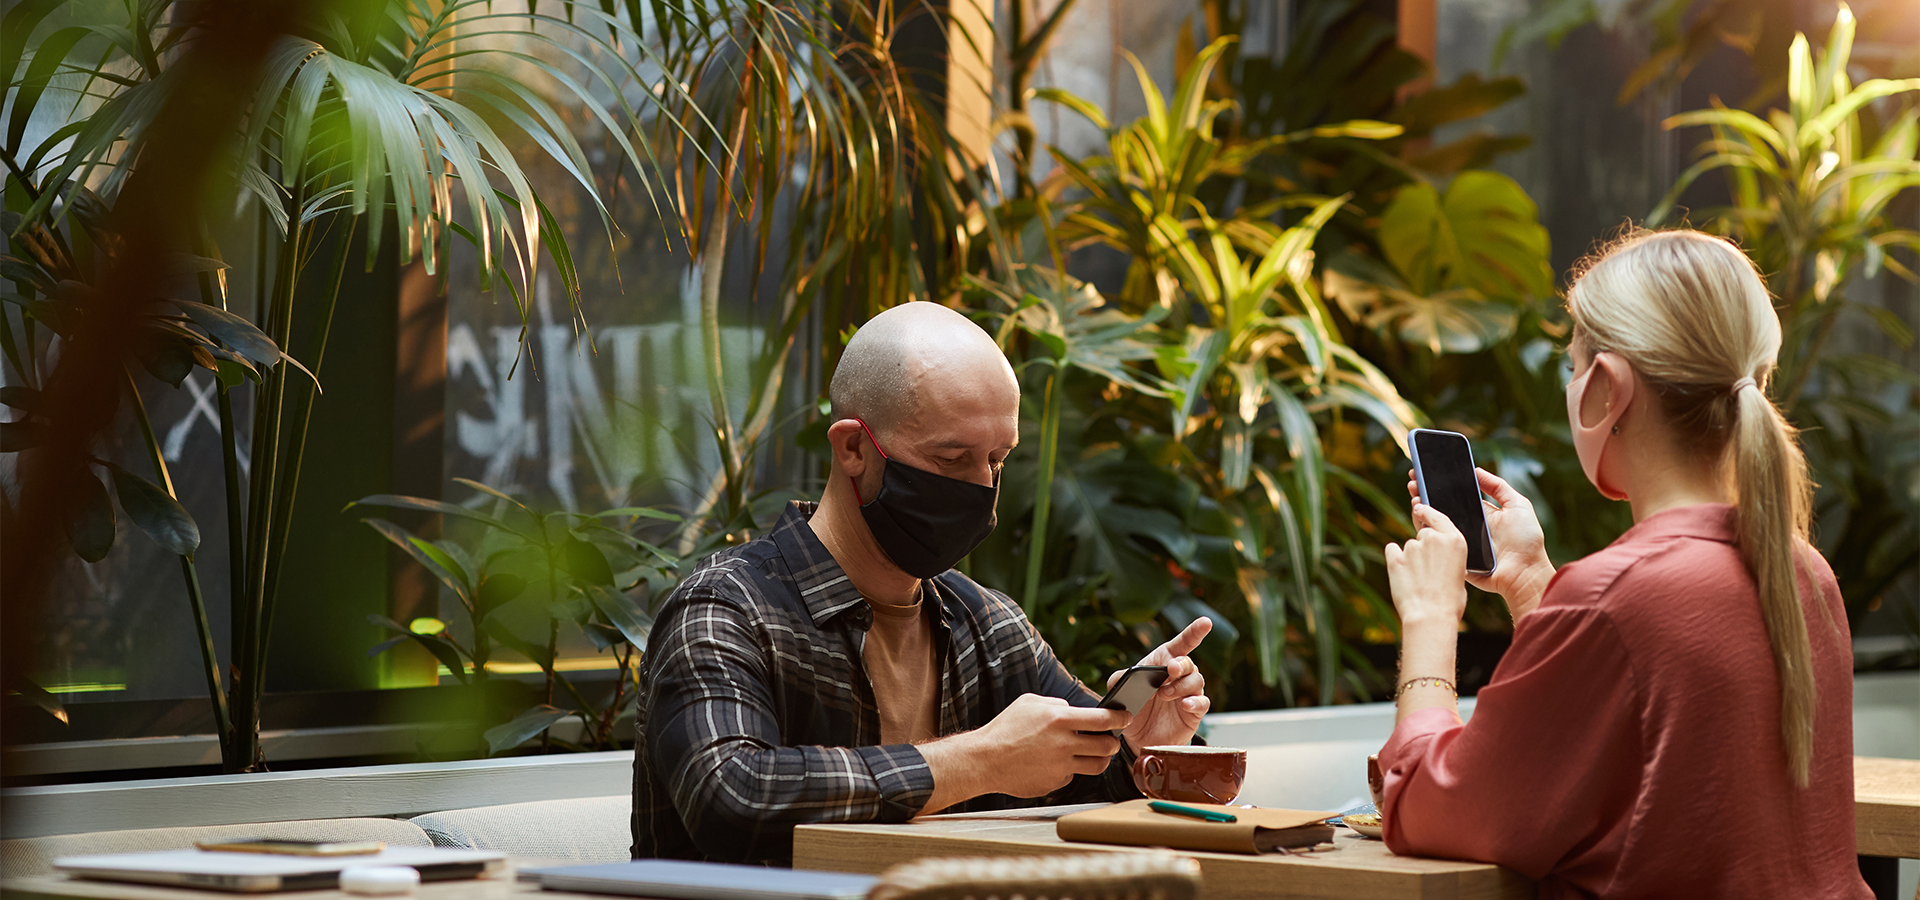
(1616, 429)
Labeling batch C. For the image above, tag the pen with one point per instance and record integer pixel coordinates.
(1178, 810)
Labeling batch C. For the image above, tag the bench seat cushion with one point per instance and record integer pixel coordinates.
(586, 829)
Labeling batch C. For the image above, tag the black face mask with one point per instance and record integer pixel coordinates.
(927, 522)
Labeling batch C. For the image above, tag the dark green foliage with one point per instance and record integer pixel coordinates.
(518, 576)
(1811, 187)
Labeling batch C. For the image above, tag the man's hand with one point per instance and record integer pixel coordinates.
(1173, 714)
(1523, 569)
(1032, 748)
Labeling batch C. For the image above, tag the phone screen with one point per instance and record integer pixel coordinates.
(1134, 688)
(1443, 469)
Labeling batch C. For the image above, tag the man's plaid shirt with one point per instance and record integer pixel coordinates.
(756, 713)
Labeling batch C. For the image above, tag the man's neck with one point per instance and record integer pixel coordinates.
(840, 528)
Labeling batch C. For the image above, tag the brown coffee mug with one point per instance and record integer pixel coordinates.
(1185, 774)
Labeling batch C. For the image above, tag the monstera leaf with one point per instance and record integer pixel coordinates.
(1459, 265)
(1456, 321)
(1483, 234)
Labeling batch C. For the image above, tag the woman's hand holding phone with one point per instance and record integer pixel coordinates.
(1524, 569)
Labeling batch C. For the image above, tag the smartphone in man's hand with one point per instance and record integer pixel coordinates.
(1133, 690)
(1443, 471)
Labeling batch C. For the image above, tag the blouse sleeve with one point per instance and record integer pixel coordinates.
(1550, 759)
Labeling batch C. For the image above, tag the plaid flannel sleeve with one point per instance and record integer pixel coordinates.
(716, 739)
(1048, 677)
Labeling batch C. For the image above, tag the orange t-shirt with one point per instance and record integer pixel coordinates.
(904, 671)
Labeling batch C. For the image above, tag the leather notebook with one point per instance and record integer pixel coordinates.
(1256, 831)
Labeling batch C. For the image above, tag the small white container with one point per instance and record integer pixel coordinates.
(379, 880)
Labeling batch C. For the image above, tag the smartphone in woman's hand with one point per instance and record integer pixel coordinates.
(1443, 470)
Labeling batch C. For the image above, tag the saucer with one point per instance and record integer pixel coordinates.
(1367, 824)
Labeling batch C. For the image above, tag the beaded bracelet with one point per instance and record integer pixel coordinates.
(1433, 680)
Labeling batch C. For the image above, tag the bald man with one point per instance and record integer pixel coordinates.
(839, 670)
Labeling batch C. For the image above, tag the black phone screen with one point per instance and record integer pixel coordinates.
(1443, 469)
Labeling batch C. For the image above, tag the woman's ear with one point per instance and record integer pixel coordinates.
(1617, 387)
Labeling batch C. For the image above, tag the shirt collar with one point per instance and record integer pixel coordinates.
(824, 586)
(1709, 521)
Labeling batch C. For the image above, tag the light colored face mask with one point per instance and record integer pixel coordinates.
(1590, 441)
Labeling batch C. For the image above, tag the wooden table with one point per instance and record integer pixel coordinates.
(1886, 811)
(1886, 819)
(1355, 869)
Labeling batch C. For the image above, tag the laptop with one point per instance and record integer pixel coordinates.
(672, 879)
(260, 872)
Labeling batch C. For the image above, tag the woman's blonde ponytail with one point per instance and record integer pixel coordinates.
(1692, 316)
(1774, 497)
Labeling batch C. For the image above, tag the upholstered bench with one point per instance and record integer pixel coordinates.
(588, 829)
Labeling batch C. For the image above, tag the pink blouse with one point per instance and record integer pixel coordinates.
(1629, 744)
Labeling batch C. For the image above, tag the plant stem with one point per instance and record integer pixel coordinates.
(13, 354)
(1043, 489)
(269, 410)
(553, 636)
(1019, 72)
(209, 657)
(1021, 60)
(295, 449)
(553, 650)
(713, 259)
(625, 656)
(229, 459)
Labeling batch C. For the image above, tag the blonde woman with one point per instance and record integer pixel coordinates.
(1674, 716)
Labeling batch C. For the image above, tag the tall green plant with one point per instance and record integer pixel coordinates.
(1146, 192)
(1069, 329)
(354, 119)
(1811, 185)
(528, 573)
(1343, 62)
(1246, 518)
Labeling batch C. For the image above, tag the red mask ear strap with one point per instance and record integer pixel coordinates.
(876, 446)
(870, 438)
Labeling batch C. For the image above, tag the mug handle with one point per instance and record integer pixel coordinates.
(1152, 773)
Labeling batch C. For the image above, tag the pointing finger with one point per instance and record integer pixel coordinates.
(1189, 637)
(1425, 516)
